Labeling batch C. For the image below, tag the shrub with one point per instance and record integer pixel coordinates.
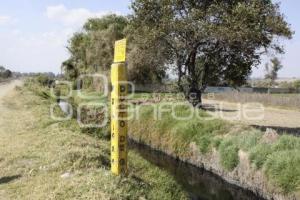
(287, 142)
(43, 79)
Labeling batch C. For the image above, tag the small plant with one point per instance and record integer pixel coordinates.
(204, 143)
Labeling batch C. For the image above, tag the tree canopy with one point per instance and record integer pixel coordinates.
(92, 51)
(204, 42)
(208, 42)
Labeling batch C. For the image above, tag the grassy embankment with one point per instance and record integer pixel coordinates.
(45, 159)
(278, 158)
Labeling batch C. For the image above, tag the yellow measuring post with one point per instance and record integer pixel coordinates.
(119, 121)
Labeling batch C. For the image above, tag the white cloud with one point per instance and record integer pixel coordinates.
(71, 17)
(5, 19)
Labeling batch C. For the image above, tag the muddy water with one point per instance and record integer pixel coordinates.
(198, 183)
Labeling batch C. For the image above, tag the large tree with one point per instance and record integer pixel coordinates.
(209, 42)
(92, 51)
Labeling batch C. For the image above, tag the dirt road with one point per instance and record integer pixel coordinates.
(256, 115)
(6, 87)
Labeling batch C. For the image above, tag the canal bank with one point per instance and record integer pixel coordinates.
(203, 178)
(264, 163)
(197, 182)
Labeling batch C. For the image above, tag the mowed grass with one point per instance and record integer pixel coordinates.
(279, 160)
(45, 159)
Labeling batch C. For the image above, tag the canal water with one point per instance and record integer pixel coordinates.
(198, 183)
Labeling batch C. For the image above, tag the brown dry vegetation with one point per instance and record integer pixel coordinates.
(290, 101)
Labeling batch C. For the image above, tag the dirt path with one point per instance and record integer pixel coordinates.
(6, 87)
(256, 115)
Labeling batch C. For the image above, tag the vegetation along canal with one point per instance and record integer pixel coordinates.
(199, 183)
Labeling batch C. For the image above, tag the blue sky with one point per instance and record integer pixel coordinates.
(34, 33)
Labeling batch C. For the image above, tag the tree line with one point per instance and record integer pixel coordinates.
(202, 42)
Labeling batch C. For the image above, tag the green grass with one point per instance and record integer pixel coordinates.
(40, 150)
(175, 137)
(178, 132)
(282, 168)
(259, 154)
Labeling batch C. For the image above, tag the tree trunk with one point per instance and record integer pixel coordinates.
(194, 93)
(195, 96)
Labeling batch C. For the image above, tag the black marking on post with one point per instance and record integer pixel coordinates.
(122, 147)
(122, 88)
(122, 124)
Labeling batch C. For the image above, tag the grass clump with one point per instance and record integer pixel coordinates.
(282, 168)
(259, 154)
(287, 142)
(248, 139)
(229, 154)
(204, 143)
(175, 132)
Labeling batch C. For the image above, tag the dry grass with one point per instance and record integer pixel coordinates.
(291, 101)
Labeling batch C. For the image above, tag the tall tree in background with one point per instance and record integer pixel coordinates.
(208, 42)
(272, 71)
(92, 51)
